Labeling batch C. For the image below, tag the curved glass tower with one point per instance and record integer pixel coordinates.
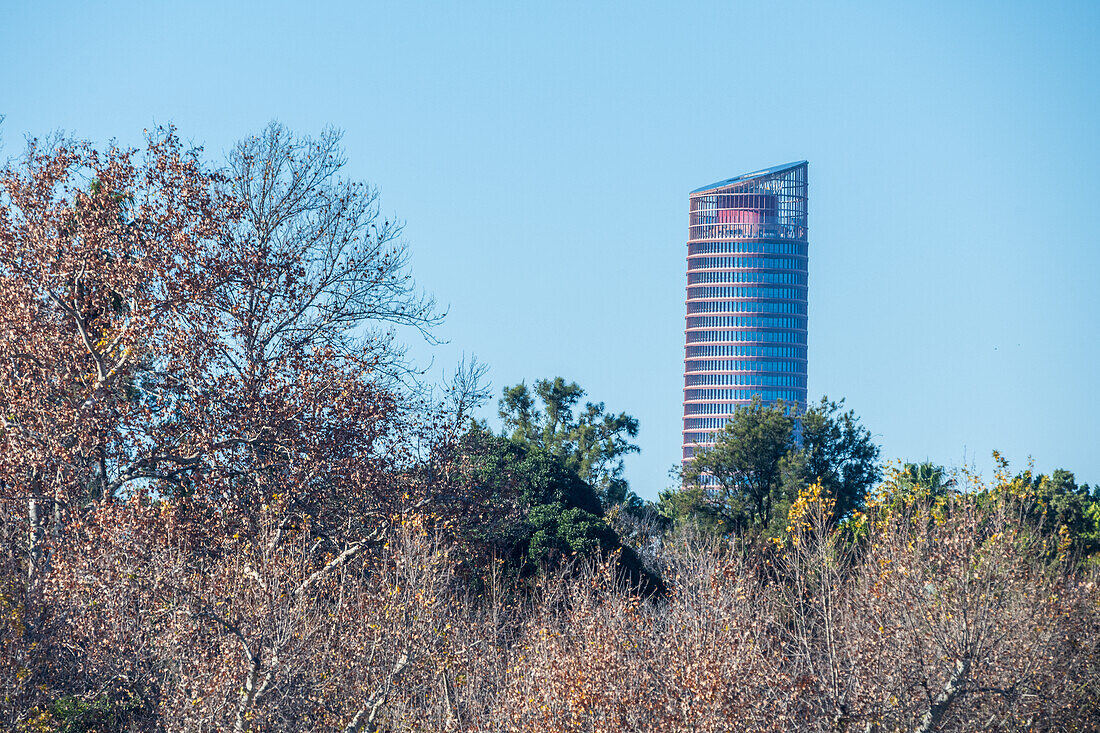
(746, 297)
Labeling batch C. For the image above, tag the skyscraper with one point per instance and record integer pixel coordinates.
(746, 297)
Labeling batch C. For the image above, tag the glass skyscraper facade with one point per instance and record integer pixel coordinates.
(746, 298)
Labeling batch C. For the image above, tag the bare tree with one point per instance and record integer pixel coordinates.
(311, 261)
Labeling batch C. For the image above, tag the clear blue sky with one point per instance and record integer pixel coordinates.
(541, 154)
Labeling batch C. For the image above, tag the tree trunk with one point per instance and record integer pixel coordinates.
(36, 534)
(931, 719)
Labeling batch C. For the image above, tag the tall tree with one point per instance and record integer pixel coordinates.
(592, 442)
(91, 277)
(294, 405)
(741, 478)
(840, 453)
(765, 456)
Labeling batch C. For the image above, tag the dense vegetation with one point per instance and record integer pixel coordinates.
(226, 502)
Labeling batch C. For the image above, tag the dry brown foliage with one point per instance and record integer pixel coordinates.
(938, 618)
(933, 621)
